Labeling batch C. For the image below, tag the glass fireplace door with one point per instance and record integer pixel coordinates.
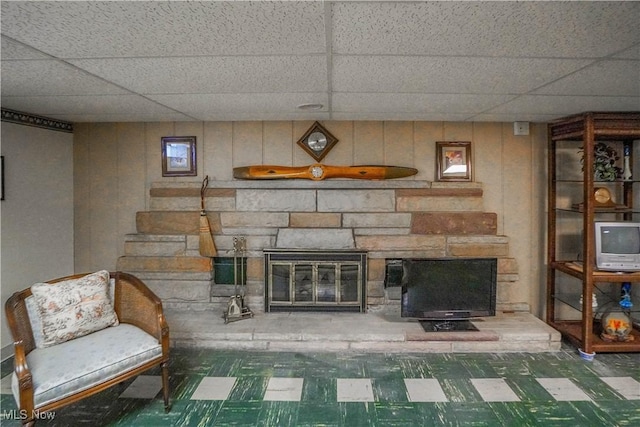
(328, 283)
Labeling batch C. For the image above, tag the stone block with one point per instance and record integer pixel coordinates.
(137, 237)
(310, 238)
(448, 190)
(376, 269)
(193, 242)
(439, 204)
(255, 270)
(314, 220)
(174, 222)
(275, 200)
(375, 289)
(356, 201)
(174, 275)
(380, 231)
(454, 223)
(254, 219)
(507, 266)
(183, 290)
(478, 246)
(373, 220)
(191, 192)
(254, 244)
(155, 263)
(434, 252)
(429, 243)
(192, 203)
(155, 248)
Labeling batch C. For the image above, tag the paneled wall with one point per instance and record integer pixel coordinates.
(116, 164)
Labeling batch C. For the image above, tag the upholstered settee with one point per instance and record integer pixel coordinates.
(78, 335)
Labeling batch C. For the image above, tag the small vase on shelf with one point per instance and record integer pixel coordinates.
(626, 174)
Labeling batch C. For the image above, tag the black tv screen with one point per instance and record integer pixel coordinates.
(448, 288)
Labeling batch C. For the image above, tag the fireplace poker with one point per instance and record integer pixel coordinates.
(236, 308)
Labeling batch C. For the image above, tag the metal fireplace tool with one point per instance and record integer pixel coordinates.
(236, 308)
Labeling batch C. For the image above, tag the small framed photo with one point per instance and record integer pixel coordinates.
(453, 160)
(179, 156)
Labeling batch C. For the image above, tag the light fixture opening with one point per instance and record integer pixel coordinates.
(310, 107)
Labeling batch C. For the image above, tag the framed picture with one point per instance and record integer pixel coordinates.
(179, 156)
(453, 160)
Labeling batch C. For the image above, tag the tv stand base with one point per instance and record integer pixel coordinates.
(447, 325)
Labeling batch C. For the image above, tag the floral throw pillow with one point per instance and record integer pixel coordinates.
(73, 308)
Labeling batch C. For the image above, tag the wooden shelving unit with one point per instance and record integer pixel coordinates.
(583, 131)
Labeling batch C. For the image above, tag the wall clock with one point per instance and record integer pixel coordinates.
(317, 141)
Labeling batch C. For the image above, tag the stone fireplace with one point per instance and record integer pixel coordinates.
(387, 220)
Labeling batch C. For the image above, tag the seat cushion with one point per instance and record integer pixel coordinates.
(65, 369)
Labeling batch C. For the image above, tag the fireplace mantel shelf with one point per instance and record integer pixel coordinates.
(327, 184)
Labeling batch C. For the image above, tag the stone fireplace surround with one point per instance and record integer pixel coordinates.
(389, 219)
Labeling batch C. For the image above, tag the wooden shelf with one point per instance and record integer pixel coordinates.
(585, 130)
(572, 330)
(575, 269)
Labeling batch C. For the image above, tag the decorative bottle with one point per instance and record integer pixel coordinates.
(625, 295)
(626, 175)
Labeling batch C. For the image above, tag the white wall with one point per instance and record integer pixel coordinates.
(36, 233)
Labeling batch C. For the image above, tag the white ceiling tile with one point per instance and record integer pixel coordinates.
(14, 50)
(51, 77)
(251, 104)
(607, 78)
(447, 74)
(264, 115)
(512, 117)
(566, 105)
(535, 29)
(79, 105)
(221, 74)
(129, 117)
(631, 53)
(401, 116)
(147, 29)
(395, 103)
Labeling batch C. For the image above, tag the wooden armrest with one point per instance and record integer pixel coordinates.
(23, 374)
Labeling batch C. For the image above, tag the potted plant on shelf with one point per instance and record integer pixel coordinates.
(604, 165)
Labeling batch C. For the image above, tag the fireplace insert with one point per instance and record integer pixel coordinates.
(308, 280)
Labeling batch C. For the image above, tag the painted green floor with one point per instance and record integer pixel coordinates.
(319, 405)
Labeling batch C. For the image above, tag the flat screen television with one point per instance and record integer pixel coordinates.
(617, 246)
(448, 288)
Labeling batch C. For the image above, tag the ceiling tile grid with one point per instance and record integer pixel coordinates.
(380, 60)
(215, 74)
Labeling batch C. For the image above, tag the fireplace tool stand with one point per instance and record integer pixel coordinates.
(236, 308)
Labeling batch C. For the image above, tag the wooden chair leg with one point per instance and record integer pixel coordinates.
(165, 385)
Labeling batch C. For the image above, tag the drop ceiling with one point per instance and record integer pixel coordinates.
(97, 61)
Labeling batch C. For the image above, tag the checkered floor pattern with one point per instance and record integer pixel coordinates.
(230, 388)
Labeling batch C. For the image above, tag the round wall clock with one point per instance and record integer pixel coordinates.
(317, 141)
